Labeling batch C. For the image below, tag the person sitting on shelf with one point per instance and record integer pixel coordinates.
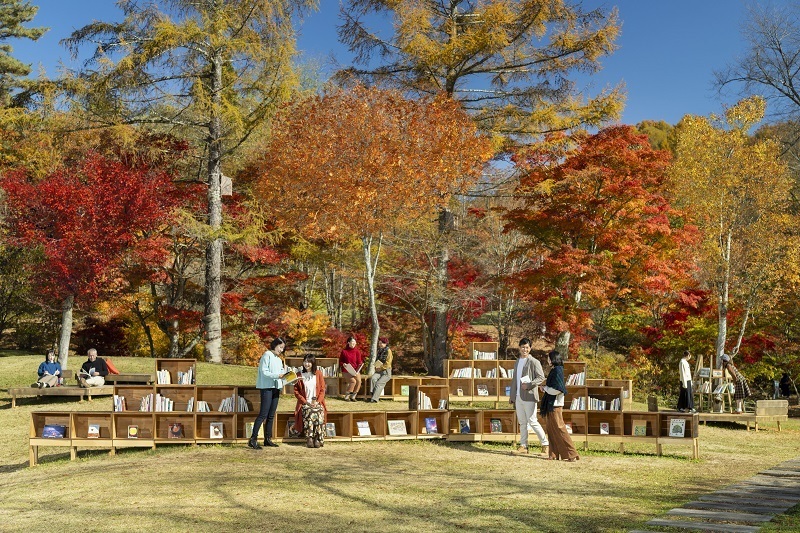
(94, 371)
(741, 389)
(311, 412)
(686, 396)
(351, 360)
(561, 446)
(383, 369)
(524, 396)
(49, 372)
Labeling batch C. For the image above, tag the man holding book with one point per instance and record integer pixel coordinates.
(94, 371)
(528, 374)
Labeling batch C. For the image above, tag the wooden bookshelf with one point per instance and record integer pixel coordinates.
(214, 395)
(409, 420)
(485, 348)
(376, 421)
(509, 426)
(442, 423)
(343, 422)
(457, 418)
(163, 422)
(203, 423)
(480, 380)
(133, 395)
(145, 426)
(436, 393)
(173, 366)
(179, 394)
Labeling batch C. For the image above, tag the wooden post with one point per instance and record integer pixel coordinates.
(33, 455)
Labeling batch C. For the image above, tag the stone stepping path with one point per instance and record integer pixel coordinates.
(739, 508)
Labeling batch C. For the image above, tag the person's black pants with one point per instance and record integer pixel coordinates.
(266, 414)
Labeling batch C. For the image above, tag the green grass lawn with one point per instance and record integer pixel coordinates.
(368, 486)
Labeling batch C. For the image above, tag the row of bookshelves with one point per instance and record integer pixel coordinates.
(228, 427)
(124, 430)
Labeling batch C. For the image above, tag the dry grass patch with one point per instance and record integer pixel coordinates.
(363, 486)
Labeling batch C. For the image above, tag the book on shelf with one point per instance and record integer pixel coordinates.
(290, 432)
(163, 377)
(442, 404)
(185, 378)
(248, 430)
(568, 425)
(363, 428)
(459, 391)
(93, 431)
(330, 429)
(508, 391)
(423, 401)
(495, 425)
(54, 431)
(705, 372)
(347, 367)
(175, 430)
(483, 356)
(404, 390)
(483, 390)
(133, 431)
(216, 430)
(430, 426)
(463, 425)
(576, 379)
(716, 373)
(604, 428)
(397, 427)
(639, 428)
(119, 403)
(677, 427)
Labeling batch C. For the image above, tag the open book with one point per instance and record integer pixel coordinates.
(290, 377)
(350, 370)
(84, 374)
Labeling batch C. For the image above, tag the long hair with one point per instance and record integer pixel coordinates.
(311, 357)
(277, 341)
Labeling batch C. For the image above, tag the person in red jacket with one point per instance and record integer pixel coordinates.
(310, 412)
(351, 360)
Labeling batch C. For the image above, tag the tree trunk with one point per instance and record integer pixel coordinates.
(212, 320)
(372, 266)
(722, 302)
(562, 344)
(66, 330)
(440, 308)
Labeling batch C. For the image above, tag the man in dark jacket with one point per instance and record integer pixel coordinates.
(93, 371)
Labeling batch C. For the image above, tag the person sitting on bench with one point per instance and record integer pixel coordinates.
(93, 371)
(49, 371)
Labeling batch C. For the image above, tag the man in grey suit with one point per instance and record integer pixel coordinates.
(528, 374)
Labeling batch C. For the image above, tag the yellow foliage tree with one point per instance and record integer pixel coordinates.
(738, 191)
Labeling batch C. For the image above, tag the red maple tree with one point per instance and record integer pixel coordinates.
(601, 229)
(86, 218)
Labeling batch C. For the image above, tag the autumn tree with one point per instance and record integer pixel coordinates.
(510, 64)
(85, 218)
(599, 226)
(13, 15)
(350, 164)
(738, 191)
(213, 69)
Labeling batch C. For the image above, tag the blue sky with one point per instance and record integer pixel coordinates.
(667, 52)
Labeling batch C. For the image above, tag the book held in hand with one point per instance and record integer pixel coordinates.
(290, 377)
(93, 431)
(347, 367)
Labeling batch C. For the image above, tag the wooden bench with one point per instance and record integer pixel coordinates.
(64, 390)
(766, 411)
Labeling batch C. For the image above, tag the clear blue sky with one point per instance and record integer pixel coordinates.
(667, 52)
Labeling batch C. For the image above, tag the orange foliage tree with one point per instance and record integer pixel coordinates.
(601, 230)
(349, 164)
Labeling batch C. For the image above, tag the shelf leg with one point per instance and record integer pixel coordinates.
(73, 453)
(658, 449)
(622, 447)
(13, 401)
(33, 455)
(779, 426)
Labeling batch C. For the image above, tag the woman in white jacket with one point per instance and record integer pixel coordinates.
(686, 396)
